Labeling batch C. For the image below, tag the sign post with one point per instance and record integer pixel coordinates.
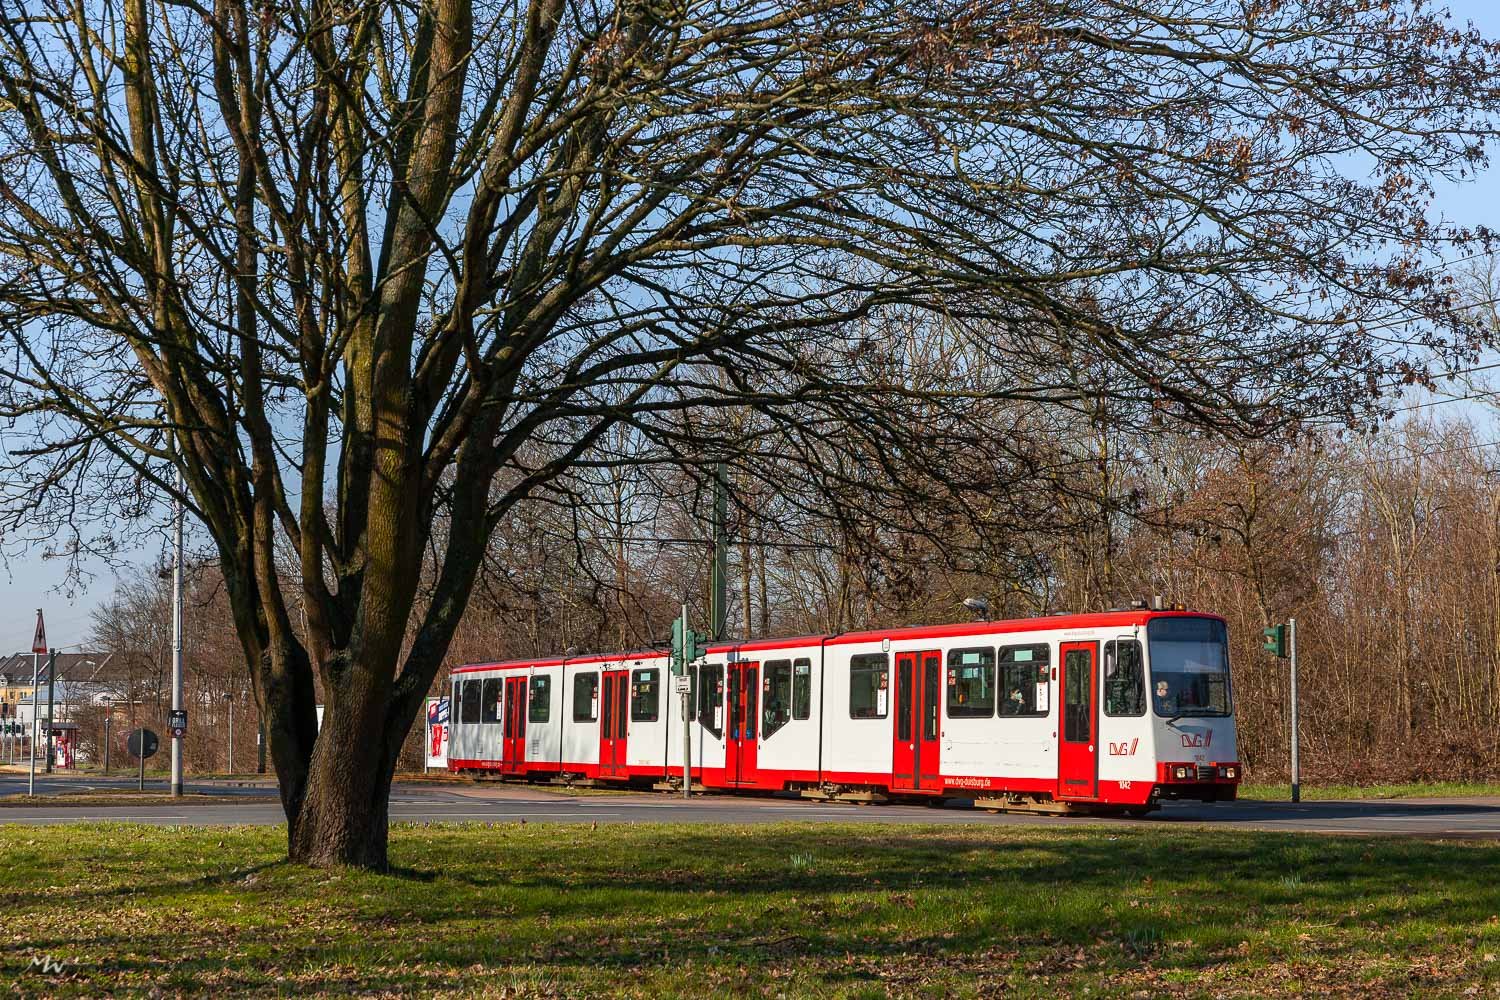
(38, 647)
(142, 743)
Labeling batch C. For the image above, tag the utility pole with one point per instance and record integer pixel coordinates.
(719, 571)
(51, 673)
(36, 665)
(177, 582)
(229, 768)
(1291, 627)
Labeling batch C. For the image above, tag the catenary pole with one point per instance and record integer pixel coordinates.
(177, 583)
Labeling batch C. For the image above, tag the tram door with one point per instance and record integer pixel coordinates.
(918, 730)
(740, 767)
(1078, 749)
(614, 712)
(513, 756)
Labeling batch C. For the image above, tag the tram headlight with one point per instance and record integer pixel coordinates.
(1229, 773)
(1181, 773)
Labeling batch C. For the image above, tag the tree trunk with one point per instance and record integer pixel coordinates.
(344, 815)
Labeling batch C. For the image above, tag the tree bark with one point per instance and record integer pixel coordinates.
(344, 817)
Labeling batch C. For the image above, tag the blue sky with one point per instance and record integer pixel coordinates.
(27, 581)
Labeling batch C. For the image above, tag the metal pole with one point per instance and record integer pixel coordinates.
(36, 665)
(260, 748)
(687, 729)
(140, 781)
(719, 572)
(230, 768)
(106, 743)
(176, 633)
(51, 673)
(1291, 627)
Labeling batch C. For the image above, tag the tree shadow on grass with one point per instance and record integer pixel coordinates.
(621, 902)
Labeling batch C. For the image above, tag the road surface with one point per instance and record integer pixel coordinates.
(414, 801)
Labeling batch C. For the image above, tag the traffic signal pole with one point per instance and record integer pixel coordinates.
(1291, 627)
(687, 695)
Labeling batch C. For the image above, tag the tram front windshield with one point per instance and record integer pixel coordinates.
(1189, 667)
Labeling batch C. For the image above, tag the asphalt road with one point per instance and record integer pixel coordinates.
(454, 802)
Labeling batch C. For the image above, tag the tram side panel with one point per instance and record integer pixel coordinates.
(1127, 750)
(1000, 728)
(544, 720)
(790, 707)
(580, 718)
(651, 706)
(857, 724)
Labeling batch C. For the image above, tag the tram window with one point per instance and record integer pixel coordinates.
(1024, 677)
(776, 701)
(971, 683)
(711, 698)
(469, 706)
(586, 697)
(692, 694)
(802, 688)
(457, 701)
(869, 677)
(490, 705)
(645, 695)
(541, 699)
(1124, 678)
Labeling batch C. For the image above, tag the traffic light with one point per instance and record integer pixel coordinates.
(1276, 640)
(678, 663)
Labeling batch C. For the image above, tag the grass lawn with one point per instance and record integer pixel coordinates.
(1427, 790)
(793, 910)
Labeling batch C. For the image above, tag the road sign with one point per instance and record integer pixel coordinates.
(681, 683)
(142, 744)
(177, 724)
(39, 641)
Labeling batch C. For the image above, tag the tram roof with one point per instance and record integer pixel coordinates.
(957, 630)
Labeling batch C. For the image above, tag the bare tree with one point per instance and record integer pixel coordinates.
(372, 275)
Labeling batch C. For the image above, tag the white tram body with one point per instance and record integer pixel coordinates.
(1115, 710)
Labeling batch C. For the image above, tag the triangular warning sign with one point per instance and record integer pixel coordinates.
(39, 643)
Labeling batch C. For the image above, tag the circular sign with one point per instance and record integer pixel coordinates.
(142, 744)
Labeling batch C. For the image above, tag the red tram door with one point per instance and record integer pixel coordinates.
(614, 712)
(513, 750)
(1078, 746)
(916, 757)
(740, 754)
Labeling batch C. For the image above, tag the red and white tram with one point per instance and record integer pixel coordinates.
(1103, 711)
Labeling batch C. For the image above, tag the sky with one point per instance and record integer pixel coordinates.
(28, 582)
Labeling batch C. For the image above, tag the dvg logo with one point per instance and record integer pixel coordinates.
(1124, 749)
(1197, 740)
